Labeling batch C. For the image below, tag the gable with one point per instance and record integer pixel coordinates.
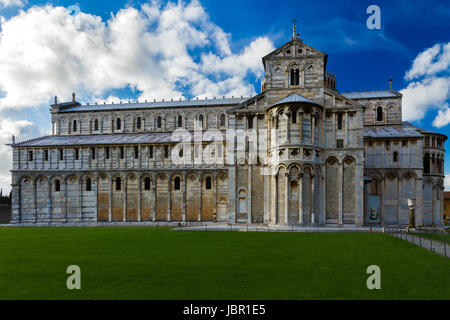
(295, 48)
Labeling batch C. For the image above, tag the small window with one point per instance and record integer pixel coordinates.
(370, 143)
(208, 183)
(30, 155)
(294, 117)
(93, 153)
(138, 123)
(200, 119)
(292, 77)
(45, 155)
(339, 143)
(395, 156)
(107, 152)
(147, 184)
(61, 154)
(339, 120)
(74, 126)
(297, 77)
(380, 114)
(118, 184)
(150, 151)
(96, 125)
(315, 121)
(159, 122)
(177, 183)
(136, 152)
(387, 143)
(180, 154)
(166, 152)
(222, 120)
(122, 153)
(77, 154)
(404, 143)
(180, 121)
(250, 122)
(57, 186)
(118, 124)
(88, 184)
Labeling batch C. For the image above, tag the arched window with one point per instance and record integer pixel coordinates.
(159, 122)
(180, 154)
(96, 125)
(118, 124)
(380, 114)
(297, 77)
(200, 120)
(57, 186)
(118, 184)
(180, 121)
(395, 156)
(138, 123)
(222, 120)
(136, 152)
(208, 183)
(177, 183)
(292, 77)
(294, 116)
(74, 127)
(88, 184)
(147, 184)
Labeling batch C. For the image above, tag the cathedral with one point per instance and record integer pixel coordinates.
(298, 153)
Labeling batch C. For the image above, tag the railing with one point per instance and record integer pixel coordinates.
(425, 237)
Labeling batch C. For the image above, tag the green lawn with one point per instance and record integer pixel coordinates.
(145, 263)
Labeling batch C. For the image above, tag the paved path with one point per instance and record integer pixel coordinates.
(439, 247)
(278, 228)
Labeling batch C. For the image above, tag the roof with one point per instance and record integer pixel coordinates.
(293, 98)
(156, 104)
(424, 131)
(116, 139)
(406, 130)
(371, 94)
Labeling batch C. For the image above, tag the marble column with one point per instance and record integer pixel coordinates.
(300, 198)
(339, 181)
(286, 203)
(183, 214)
(169, 197)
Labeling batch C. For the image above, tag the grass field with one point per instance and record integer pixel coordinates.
(145, 263)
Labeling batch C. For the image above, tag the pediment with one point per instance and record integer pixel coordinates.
(295, 48)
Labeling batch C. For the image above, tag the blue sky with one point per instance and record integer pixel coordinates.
(234, 32)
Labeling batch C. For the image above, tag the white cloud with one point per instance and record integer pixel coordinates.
(20, 128)
(160, 51)
(429, 85)
(443, 117)
(430, 61)
(421, 96)
(156, 50)
(12, 3)
(447, 182)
